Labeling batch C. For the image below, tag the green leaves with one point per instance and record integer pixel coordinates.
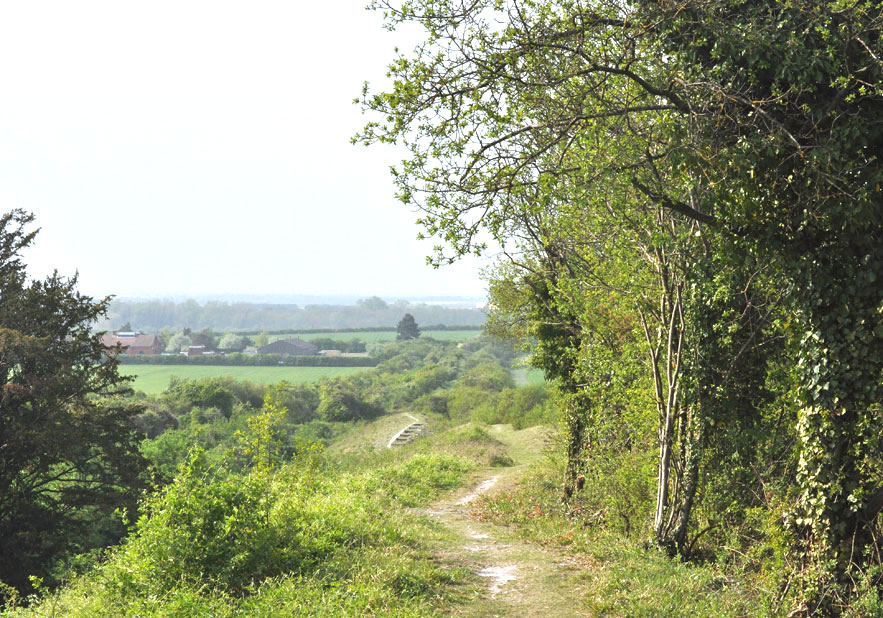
(68, 449)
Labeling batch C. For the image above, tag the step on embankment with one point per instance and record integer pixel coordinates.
(407, 434)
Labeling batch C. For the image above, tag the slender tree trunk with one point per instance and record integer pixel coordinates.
(576, 443)
(663, 477)
(692, 457)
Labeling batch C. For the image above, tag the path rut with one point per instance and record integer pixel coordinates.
(523, 579)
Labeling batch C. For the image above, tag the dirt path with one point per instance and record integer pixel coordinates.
(522, 579)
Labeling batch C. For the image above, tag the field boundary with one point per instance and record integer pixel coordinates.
(255, 360)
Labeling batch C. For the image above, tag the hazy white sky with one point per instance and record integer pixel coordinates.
(199, 147)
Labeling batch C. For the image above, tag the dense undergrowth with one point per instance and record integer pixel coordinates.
(300, 540)
(628, 575)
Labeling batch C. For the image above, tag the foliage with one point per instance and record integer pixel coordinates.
(264, 441)
(302, 537)
(352, 346)
(340, 401)
(232, 341)
(183, 395)
(706, 171)
(178, 342)
(68, 452)
(262, 339)
(206, 337)
(407, 328)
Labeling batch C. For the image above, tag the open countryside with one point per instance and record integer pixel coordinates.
(673, 408)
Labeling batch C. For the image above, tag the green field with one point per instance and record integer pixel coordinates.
(374, 336)
(154, 379)
(524, 376)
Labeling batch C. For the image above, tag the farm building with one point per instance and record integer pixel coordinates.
(134, 344)
(290, 347)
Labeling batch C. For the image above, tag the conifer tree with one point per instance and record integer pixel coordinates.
(68, 455)
(407, 328)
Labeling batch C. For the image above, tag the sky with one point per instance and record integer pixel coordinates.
(198, 148)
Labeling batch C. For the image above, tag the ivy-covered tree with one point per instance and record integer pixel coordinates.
(755, 130)
(790, 160)
(68, 452)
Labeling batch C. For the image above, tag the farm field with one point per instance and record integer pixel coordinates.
(154, 379)
(374, 336)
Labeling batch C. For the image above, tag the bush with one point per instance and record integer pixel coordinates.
(183, 395)
(206, 526)
(526, 406)
(339, 402)
(415, 481)
(463, 400)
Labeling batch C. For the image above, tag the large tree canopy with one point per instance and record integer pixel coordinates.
(715, 165)
(68, 452)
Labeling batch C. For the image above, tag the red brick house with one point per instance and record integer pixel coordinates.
(134, 344)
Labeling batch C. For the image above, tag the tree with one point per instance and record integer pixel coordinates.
(205, 337)
(231, 341)
(407, 328)
(68, 451)
(177, 343)
(262, 339)
(555, 177)
(374, 303)
(754, 129)
(791, 160)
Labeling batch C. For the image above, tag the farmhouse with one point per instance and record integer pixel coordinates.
(134, 344)
(290, 347)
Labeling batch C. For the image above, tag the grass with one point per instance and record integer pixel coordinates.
(375, 336)
(622, 576)
(370, 436)
(526, 376)
(300, 541)
(153, 379)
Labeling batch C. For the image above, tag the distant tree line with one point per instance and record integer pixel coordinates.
(155, 315)
(365, 329)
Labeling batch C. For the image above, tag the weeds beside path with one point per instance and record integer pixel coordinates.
(521, 578)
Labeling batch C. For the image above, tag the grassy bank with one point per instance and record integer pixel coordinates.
(301, 540)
